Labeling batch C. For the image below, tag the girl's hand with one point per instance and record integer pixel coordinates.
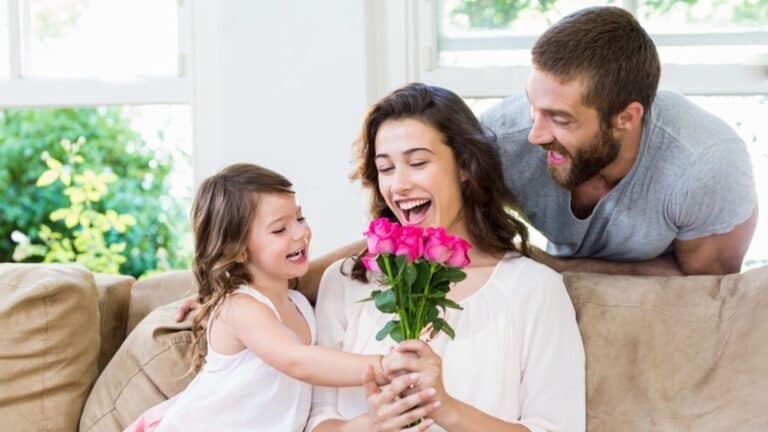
(417, 357)
(387, 411)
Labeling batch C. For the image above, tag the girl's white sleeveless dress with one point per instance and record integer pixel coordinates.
(240, 392)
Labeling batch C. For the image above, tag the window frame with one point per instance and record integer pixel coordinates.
(411, 27)
(21, 92)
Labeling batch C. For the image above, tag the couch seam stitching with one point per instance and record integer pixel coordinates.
(45, 358)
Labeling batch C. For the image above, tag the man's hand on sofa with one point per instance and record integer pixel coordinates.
(187, 307)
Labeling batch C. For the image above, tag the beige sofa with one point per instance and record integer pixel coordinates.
(663, 354)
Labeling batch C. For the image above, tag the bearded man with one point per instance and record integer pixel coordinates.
(618, 177)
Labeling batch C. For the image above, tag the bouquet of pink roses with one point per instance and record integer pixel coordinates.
(418, 265)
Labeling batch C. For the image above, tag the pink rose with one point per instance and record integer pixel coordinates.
(437, 245)
(410, 242)
(369, 262)
(382, 236)
(459, 249)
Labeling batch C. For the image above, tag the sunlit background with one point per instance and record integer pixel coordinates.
(120, 75)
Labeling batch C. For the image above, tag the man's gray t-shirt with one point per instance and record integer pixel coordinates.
(692, 178)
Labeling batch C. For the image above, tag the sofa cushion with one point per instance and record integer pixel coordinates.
(114, 295)
(149, 367)
(147, 294)
(674, 354)
(49, 345)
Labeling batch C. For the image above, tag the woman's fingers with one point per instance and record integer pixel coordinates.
(411, 416)
(396, 364)
(185, 308)
(402, 407)
(396, 387)
(415, 346)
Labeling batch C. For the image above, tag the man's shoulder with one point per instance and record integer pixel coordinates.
(678, 121)
(510, 115)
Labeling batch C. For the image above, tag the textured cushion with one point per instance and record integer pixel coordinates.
(149, 367)
(49, 345)
(114, 294)
(147, 294)
(674, 354)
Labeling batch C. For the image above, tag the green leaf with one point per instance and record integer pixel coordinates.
(410, 275)
(447, 329)
(454, 274)
(386, 301)
(423, 276)
(397, 334)
(445, 302)
(53, 164)
(48, 177)
(387, 329)
(372, 296)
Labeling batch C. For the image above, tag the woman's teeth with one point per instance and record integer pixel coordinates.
(407, 205)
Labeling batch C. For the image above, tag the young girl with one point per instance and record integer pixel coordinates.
(251, 244)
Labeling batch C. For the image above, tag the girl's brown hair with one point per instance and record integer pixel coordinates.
(222, 212)
(485, 196)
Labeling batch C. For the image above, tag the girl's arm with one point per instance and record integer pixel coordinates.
(256, 325)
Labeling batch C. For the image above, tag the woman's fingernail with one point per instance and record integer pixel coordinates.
(436, 405)
(428, 421)
(431, 392)
(413, 377)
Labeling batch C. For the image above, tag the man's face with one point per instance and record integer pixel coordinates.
(578, 145)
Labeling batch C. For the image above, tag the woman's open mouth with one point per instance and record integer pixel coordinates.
(414, 211)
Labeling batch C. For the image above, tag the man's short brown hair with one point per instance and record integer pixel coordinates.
(608, 48)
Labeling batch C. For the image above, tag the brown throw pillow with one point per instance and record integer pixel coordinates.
(49, 345)
(674, 354)
(149, 367)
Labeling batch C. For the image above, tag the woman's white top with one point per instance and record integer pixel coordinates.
(517, 354)
(240, 392)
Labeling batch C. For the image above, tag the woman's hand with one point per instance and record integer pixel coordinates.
(387, 411)
(417, 357)
(187, 307)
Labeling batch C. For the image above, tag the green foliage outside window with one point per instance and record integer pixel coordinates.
(501, 14)
(84, 189)
(136, 185)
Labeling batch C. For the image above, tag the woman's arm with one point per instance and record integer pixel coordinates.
(310, 282)
(256, 325)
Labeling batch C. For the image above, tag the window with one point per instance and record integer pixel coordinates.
(113, 75)
(94, 52)
(715, 51)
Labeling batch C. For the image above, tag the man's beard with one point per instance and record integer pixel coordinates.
(587, 161)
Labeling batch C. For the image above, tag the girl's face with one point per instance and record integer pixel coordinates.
(418, 175)
(278, 240)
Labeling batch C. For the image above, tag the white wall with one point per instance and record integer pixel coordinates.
(284, 84)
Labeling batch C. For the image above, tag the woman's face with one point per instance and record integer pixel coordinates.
(418, 175)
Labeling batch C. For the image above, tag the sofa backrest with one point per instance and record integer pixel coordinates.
(674, 354)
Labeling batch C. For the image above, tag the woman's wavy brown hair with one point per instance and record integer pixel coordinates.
(485, 196)
(222, 212)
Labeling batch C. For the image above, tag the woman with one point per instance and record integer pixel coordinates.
(517, 361)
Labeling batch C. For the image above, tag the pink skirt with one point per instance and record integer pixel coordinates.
(149, 421)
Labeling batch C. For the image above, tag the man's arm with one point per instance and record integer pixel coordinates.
(715, 254)
(719, 253)
(661, 266)
(309, 283)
